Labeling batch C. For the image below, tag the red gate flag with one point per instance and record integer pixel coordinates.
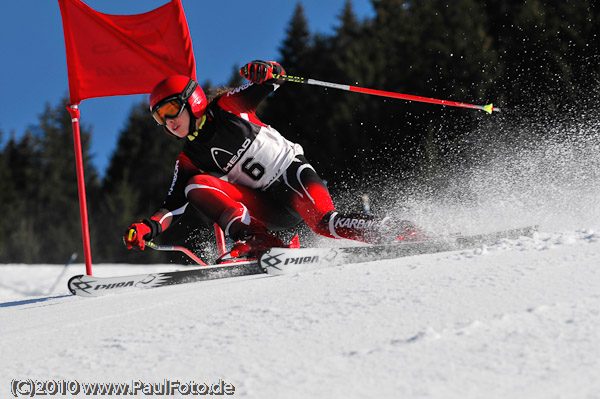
(109, 55)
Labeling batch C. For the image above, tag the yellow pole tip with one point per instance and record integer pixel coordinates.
(488, 108)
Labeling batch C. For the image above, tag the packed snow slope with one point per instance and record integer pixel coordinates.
(514, 319)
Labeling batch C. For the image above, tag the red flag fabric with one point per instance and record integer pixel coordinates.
(109, 55)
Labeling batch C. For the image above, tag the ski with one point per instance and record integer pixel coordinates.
(89, 286)
(278, 261)
(463, 242)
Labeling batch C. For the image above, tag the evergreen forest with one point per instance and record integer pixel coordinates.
(535, 59)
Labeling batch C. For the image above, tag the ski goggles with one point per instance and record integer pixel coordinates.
(167, 109)
(172, 107)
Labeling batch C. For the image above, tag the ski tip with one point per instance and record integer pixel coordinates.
(71, 284)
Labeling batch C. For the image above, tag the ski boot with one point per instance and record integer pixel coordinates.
(410, 233)
(399, 231)
(251, 241)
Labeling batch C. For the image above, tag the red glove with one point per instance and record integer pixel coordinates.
(262, 71)
(138, 233)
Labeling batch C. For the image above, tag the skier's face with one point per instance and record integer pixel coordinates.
(180, 125)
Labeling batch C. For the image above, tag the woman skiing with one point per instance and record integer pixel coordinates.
(242, 174)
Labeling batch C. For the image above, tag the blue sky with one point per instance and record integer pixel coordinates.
(33, 70)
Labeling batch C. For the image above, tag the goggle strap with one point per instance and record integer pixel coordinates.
(189, 89)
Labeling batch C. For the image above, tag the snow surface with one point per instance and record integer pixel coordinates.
(516, 319)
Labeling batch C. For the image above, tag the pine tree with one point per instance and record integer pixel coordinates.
(58, 198)
(144, 157)
(236, 79)
(17, 225)
(434, 49)
(292, 108)
(349, 64)
(44, 225)
(136, 182)
(297, 43)
(547, 50)
(9, 198)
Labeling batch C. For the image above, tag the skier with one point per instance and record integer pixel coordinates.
(243, 174)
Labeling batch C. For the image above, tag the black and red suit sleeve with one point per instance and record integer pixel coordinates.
(244, 100)
(175, 203)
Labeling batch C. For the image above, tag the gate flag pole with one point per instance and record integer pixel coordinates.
(85, 228)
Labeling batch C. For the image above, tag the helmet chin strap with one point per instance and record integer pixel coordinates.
(192, 136)
(192, 126)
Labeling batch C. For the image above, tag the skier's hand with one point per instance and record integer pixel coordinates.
(138, 233)
(262, 71)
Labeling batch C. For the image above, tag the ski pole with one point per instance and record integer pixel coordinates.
(296, 79)
(64, 269)
(176, 248)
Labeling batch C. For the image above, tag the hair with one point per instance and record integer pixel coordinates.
(215, 92)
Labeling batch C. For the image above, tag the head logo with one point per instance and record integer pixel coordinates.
(226, 160)
(221, 157)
